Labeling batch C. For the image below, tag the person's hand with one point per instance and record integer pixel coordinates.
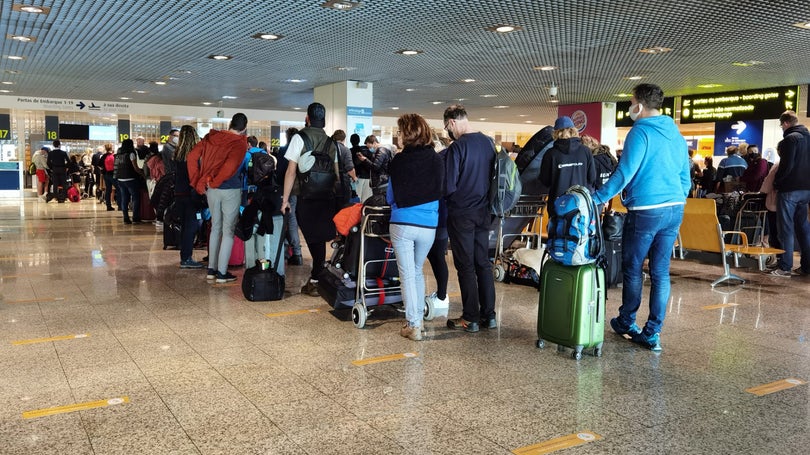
(285, 206)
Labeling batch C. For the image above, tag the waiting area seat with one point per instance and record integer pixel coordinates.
(701, 231)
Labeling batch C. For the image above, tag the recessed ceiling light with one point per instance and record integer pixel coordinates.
(748, 63)
(623, 95)
(5, 91)
(410, 89)
(504, 28)
(461, 99)
(12, 72)
(710, 85)
(124, 98)
(296, 108)
(523, 115)
(468, 80)
(160, 82)
(257, 89)
(140, 91)
(395, 108)
(529, 121)
(340, 5)
(655, 50)
(500, 107)
(15, 57)
(482, 119)
(22, 38)
(408, 52)
(488, 96)
(344, 68)
(207, 103)
(555, 101)
(229, 97)
(31, 9)
(436, 102)
(267, 36)
(295, 81)
(805, 25)
(7, 83)
(546, 68)
(633, 78)
(219, 57)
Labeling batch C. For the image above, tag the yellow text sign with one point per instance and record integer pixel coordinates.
(775, 386)
(74, 407)
(563, 442)
(385, 358)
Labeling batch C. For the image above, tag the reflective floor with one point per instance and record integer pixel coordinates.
(106, 346)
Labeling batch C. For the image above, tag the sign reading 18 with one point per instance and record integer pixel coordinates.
(3, 134)
(122, 137)
(52, 135)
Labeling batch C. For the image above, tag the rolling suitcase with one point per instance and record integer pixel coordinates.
(237, 253)
(171, 227)
(613, 269)
(147, 212)
(262, 282)
(572, 307)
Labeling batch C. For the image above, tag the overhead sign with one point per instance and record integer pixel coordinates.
(735, 133)
(765, 103)
(623, 111)
(123, 130)
(51, 127)
(5, 127)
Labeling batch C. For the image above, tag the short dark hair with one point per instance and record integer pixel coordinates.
(355, 139)
(414, 130)
(370, 139)
(789, 117)
(650, 95)
(253, 141)
(455, 112)
(291, 131)
(339, 135)
(238, 122)
(316, 114)
(57, 143)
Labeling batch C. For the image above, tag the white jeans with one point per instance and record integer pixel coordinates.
(411, 245)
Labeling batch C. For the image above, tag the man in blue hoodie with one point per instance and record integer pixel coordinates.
(654, 171)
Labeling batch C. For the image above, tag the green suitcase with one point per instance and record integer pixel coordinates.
(571, 312)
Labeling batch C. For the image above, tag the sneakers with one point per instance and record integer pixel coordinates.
(437, 302)
(190, 264)
(211, 274)
(651, 342)
(310, 289)
(226, 278)
(411, 333)
(295, 259)
(799, 272)
(781, 273)
(491, 323)
(461, 324)
(617, 327)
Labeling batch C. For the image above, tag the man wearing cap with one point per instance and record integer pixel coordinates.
(568, 162)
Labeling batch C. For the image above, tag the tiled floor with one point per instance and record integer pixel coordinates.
(202, 370)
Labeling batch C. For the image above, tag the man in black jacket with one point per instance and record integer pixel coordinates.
(57, 163)
(794, 194)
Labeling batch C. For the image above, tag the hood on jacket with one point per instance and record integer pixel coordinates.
(566, 145)
(662, 125)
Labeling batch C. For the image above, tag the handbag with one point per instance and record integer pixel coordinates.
(613, 225)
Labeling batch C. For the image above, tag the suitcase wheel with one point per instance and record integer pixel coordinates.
(576, 355)
(359, 315)
(540, 344)
(597, 352)
(499, 273)
(430, 312)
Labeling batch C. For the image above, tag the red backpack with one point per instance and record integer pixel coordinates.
(109, 162)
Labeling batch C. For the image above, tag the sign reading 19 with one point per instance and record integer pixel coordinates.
(122, 137)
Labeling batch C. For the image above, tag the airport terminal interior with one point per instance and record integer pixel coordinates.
(107, 347)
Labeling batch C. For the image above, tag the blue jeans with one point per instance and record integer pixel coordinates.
(293, 239)
(224, 207)
(648, 233)
(411, 245)
(791, 211)
(129, 190)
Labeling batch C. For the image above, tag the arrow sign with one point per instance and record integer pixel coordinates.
(80, 105)
(739, 127)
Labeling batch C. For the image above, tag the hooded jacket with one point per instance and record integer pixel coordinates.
(215, 161)
(794, 166)
(654, 168)
(567, 163)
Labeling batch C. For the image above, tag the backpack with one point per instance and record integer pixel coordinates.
(575, 233)
(504, 186)
(32, 169)
(109, 162)
(534, 146)
(319, 181)
(73, 194)
(261, 169)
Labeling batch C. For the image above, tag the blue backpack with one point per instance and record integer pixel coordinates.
(575, 233)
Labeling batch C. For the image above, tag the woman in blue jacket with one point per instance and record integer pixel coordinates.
(415, 186)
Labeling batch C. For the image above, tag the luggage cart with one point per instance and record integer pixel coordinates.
(527, 213)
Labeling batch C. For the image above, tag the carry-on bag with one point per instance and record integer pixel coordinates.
(572, 307)
(262, 282)
(613, 262)
(172, 223)
(147, 212)
(237, 253)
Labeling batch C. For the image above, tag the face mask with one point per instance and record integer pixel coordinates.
(372, 149)
(175, 140)
(634, 115)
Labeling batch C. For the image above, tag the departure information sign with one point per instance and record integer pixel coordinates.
(759, 104)
(51, 127)
(623, 111)
(5, 127)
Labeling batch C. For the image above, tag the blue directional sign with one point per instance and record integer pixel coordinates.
(735, 133)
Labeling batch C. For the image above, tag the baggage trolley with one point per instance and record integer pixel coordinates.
(526, 213)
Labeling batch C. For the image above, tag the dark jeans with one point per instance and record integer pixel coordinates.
(188, 229)
(315, 219)
(109, 183)
(469, 233)
(436, 257)
(130, 191)
(794, 227)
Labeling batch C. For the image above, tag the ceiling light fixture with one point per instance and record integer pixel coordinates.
(554, 100)
(500, 107)
(219, 57)
(488, 96)
(468, 80)
(748, 63)
(655, 50)
(395, 108)
(160, 82)
(12, 72)
(267, 36)
(22, 38)
(124, 98)
(546, 68)
(408, 52)
(207, 103)
(30, 9)
(623, 95)
(7, 83)
(295, 81)
(140, 91)
(410, 89)
(482, 119)
(344, 68)
(5, 91)
(229, 97)
(710, 85)
(436, 102)
(504, 28)
(340, 5)
(15, 57)
(633, 78)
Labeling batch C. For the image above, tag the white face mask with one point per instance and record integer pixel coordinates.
(634, 115)
(175, 140)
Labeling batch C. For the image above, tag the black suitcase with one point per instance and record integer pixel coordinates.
(262, 282)
(613, 266)
(171, 228)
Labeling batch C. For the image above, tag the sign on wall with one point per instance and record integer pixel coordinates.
(735, 133)
(623, 111)
(123, 130)
(765, 103)
(51, 127)
(358, 121)
(5, 127)
(587, 118)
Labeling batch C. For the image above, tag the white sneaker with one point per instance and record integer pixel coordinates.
(437, 303)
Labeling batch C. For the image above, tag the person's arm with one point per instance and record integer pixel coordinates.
(289, 179)
(636, 146)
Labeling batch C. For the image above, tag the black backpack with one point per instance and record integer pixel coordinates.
(534, 146)
(261, 169)
(319, 181)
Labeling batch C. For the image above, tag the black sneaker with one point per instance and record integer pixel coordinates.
(226, 278)
(211, 274)
(490, 323)
(461, 324)
(295, 259)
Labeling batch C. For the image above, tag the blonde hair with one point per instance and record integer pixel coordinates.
(565, 133)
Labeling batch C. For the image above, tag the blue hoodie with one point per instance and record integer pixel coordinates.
(654, 168)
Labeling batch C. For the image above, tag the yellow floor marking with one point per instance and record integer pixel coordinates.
(291, 313)
(225, 285)
(45, 299)
(560, 443)
(45, 340)
(721, 305)
(74, 407)
(385, 358)
(775, 386)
